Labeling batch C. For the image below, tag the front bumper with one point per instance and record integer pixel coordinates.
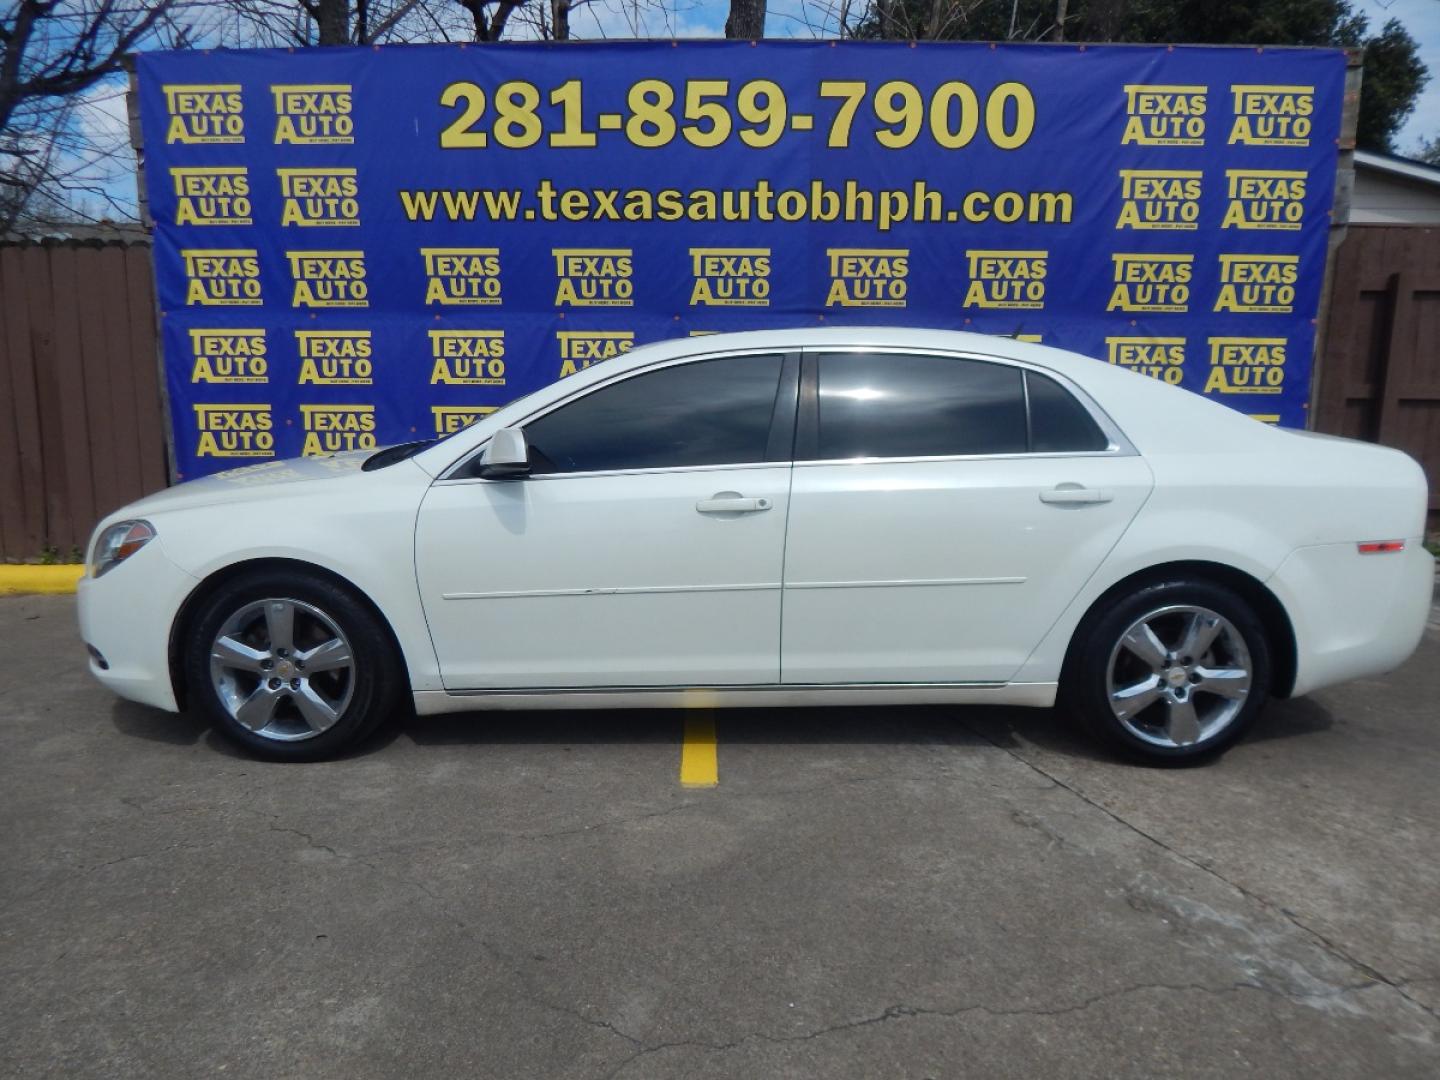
(1354, 615)
(126, 617)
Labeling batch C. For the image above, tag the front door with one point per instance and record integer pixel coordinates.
(644, 549)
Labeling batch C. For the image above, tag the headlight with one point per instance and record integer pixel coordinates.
(118, 543)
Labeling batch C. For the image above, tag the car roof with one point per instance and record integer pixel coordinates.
(1083, 370)
(820, 337)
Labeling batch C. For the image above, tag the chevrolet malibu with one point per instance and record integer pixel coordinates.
(801, 517)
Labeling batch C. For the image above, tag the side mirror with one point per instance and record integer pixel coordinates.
(506, 457)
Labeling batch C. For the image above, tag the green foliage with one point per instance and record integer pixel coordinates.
(1394, 72)
(1429, 151)
(1394, 77)
(1247, 22)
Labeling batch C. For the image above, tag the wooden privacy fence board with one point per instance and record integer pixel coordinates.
(1380, 376)
(81, 424)
(22, 482)
(60, 501)
(144, 358)
(91, 376)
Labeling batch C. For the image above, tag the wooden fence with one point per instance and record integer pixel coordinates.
(81, 422)
(1379, 378)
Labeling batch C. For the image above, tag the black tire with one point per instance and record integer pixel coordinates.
(1085, 688)
(375, 680)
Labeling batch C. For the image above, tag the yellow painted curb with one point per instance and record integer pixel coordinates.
(38, 579)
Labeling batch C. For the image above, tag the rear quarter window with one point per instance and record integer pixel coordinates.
(1058, 422)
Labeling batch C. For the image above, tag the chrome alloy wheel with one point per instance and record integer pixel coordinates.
(1179, 675)
(282, 669)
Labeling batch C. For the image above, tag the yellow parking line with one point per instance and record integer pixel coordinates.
(698, 764)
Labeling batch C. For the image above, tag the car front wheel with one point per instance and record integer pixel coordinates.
(1172, 673)
(290, 666)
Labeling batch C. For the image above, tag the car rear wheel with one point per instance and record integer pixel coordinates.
(1172, 673)
(291, 666)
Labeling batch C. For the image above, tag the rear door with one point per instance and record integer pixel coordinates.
(944, 510)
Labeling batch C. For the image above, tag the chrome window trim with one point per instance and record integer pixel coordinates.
(1029, 419)
(1120, 445)
(597, 473)
(1020, 455)
(677, 469)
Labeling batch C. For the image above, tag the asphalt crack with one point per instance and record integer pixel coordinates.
(345, 856)
(912, 1012)
(1328, 946)
(607, 823)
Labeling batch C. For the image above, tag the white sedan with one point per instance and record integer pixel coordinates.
(800, 517)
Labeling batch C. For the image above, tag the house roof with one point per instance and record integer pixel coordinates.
(1406, 168)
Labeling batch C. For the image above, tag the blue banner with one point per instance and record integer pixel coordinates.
(356, 247)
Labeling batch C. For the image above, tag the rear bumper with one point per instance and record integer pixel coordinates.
(1354, 615)
(126, 617)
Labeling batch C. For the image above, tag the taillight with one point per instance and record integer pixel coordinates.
(1380, 547)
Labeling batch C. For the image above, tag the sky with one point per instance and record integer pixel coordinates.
(1422, 19)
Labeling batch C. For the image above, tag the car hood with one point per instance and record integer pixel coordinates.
(247, 483)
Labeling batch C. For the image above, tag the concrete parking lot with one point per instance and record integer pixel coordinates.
(927, 892)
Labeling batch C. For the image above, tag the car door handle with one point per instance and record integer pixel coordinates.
(1076, 494)
(732, 504)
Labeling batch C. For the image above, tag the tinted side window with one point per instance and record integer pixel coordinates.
(713, 412)
(894, 405)
(1058, 422)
